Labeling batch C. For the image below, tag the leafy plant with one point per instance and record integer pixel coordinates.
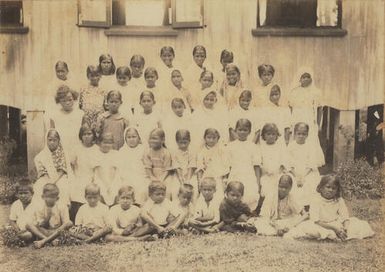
(360, 180)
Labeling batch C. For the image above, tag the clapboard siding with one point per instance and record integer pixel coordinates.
(349, 70)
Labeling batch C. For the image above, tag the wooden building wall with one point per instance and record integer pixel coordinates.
(349, 70)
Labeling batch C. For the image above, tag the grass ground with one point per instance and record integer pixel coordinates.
(226, 252)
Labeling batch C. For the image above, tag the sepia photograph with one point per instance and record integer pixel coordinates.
(192, 135)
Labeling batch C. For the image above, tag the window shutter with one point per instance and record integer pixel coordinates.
(94, 13)
(187, 13)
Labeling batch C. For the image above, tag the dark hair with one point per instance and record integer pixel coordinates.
(246, 93)
(176, 70)
(269, 127)
(232, 66)
(299, 124)
(330, 178)
(92, 69)
(306, 74)
(149, 93)
(92, 189)
(51, 188)
(107, 56)
(114, 93)
(211, 130)
(61, 63)
(235, 186)
(150, 70)
(208, 181)
(24, 183)
(84, 128)
(137, 58)
(226, 54)
(275, 87)
(104, 136)
(182, 134)
(62, 92)
(186, 189)
(199, 47)
(134, 129)
(52, 130)
(167, 48)
(206, 72)
(123, 71)
(156, 186)
(265, 68)
(160, 133)
(243, 122)
(178, 100)
(287, 178)
(127, 189)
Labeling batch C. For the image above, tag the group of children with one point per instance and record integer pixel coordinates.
(172, 151)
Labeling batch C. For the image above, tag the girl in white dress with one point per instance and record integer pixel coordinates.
(83, 166)
(184, 161)
(137, 83)
(212, 161)
(67, 118)
(194, 71)
(275, 113)
(177, 118)
(262, 91)
(107, 69)
(244, 111)
(148, 118)
(123, 76)
(178, 90)
(106, 173)
(273, 160)
(232, 86)
(244, 161)
(226, 58)
(53, 165)
(305, 102)
(167, 55)
(329, 216)
(303, 164)
(131, 166)
(151, 77)
(210, 115)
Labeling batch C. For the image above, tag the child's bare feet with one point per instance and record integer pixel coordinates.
(38, 244)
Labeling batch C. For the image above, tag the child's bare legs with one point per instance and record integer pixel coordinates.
(98, 234)
(51, 234)
(26, 236)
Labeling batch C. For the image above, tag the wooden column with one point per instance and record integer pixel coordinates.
(14, 124)
(344, 128)
(3, 121)
(35, 138)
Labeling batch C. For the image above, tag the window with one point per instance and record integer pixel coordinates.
(125, 17)
(299, 17)
(11, 17)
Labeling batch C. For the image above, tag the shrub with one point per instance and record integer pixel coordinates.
(7, 147)
(360, 180)
(7, 189)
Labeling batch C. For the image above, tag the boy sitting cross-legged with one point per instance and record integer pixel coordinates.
(91, 222)
(49, 219)
(157, 213)
(125, 217)
(206, 217)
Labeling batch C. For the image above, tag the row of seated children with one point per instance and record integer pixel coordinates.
(158, 217)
